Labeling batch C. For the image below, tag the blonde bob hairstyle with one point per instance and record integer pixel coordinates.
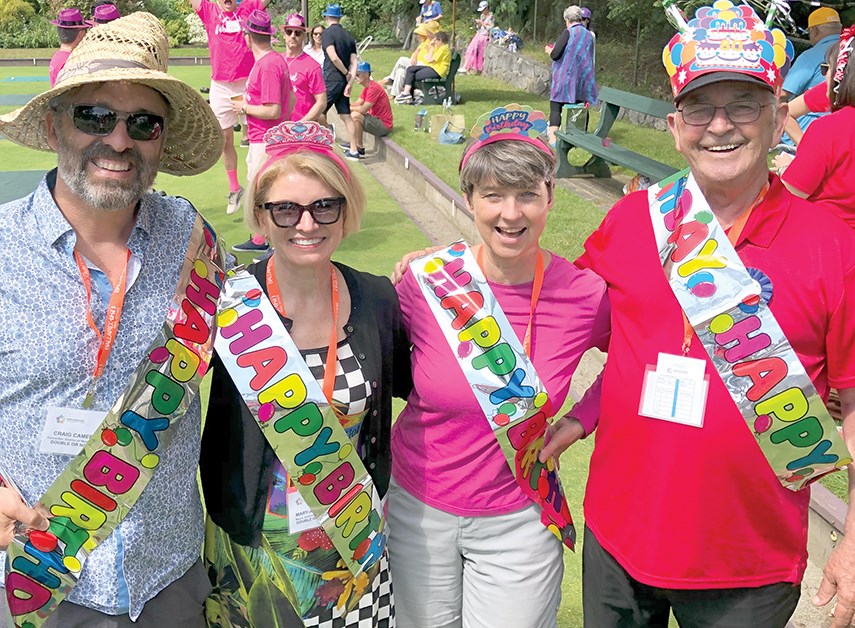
(509, 164)
(310, 164)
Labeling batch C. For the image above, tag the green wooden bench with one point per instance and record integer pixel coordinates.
(603, 154)
(438, 89)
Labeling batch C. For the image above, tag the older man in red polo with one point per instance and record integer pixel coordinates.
(733, 313)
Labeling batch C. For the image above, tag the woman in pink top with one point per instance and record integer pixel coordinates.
(824, 165)
(467, 547)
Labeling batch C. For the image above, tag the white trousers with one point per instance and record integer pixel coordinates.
(474, 572)
(398, 73)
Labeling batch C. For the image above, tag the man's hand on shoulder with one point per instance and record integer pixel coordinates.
(14, 510)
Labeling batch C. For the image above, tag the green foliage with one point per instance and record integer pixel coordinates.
(361, 17)
(12, 12)
(36, 32)
(178, 32)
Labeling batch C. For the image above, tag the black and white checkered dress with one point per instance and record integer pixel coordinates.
(351, 394)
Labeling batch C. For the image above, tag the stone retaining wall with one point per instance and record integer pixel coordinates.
(534, 77)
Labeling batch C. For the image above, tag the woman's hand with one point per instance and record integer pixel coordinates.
(548, 48)
(13, 511)
(566, 431)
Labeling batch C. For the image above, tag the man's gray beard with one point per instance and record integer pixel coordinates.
(105, 195)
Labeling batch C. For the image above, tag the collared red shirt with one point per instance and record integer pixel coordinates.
(47, 357)
(699, 508)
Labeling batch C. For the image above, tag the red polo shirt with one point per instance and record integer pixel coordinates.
(699, 508)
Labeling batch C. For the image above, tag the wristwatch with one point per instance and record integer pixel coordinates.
(243, 110)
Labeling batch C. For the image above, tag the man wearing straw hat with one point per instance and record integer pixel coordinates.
(231, 61)
(733, 312)
(100, 262)
(71, 28)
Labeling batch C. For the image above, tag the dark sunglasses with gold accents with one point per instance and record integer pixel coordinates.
(324, 211)
(100, 121)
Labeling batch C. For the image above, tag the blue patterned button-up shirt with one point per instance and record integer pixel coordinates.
(47, 357)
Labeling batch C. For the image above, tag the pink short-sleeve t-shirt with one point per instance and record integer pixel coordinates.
(699, 508)
(57, 62)
(307, 81)
(268, 83)
(231, 59)
(443, 451)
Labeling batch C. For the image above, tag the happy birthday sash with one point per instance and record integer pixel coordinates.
(102, 483)
(503, 379)
(729, 312)
(290, 408)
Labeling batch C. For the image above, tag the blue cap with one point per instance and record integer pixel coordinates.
(333, 10)
(363, 66)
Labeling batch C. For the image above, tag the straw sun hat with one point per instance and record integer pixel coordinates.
(133, 49)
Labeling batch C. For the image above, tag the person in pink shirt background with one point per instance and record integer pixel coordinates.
(466, 545)
(71, 28)
(231, 61)
(307, 79)
(268, 101)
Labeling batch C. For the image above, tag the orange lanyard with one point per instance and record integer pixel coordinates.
(111, 324)
(733, 235)
(536, 287)
(329, 368)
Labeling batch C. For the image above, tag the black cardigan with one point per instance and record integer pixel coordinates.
(237, 462)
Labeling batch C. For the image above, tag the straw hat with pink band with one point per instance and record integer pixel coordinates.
(288, 138)
(513, 123)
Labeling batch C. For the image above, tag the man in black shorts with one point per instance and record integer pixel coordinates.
(339, 65)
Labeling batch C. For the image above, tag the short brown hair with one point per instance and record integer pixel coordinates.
(489, 165)
(313, 165)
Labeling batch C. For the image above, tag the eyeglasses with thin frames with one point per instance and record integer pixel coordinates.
(100, 121)
(324, 211)
(739, 112)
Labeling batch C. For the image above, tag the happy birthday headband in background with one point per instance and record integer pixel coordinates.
(511, 122)
(288, 138)
(725, 38)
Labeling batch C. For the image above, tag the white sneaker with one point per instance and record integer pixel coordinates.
(234, 201)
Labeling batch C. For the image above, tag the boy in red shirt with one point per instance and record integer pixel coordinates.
(371, 113)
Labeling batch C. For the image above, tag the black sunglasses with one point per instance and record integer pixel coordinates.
(291, 32)
(823, 68)
(324, 211)
(318, 33)
(99, 120)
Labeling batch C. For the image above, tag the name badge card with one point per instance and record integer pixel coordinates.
(67, 430)
(676, 390)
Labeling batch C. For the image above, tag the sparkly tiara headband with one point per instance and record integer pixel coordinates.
(847, 40)
(288, 138)
(511, 122)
